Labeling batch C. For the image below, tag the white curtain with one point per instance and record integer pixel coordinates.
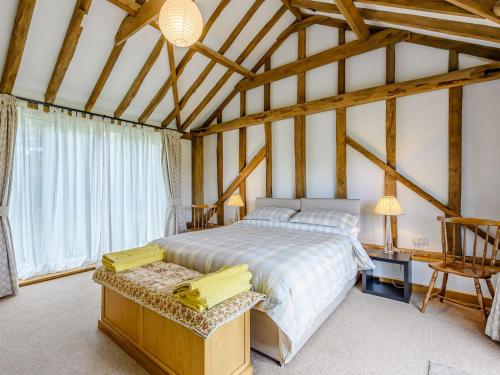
(175, 220)
(82, 187)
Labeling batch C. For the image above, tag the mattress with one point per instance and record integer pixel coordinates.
(301, 268)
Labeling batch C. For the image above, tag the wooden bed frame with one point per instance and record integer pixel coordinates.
(163, 346)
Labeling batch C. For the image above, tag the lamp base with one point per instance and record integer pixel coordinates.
(388, 249)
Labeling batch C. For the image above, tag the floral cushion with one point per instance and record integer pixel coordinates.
(151, 286)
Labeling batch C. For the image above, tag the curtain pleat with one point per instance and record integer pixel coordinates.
(8, 128)
(493, 324)
(175, 221)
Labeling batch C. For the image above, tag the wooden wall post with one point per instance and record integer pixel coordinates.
(243, 154)
(269, 135)
(390, 133)
(340, 134)
(220, 171)
(197, 170)
(454, 148)
(299, 125)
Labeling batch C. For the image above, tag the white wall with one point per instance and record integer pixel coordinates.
(422, 146)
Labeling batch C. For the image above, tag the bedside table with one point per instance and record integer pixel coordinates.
(372, 284)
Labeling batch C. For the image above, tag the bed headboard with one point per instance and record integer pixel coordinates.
(293, 204)
(351, 206)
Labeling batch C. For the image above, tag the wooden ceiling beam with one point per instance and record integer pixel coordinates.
(458, 78)
(463, 29)
(132, 24)
(479, 8)
(485, 52)
(432, 6)
(129, 6)
(162, 91)
(353, 18)
(141, 76)
(472, 49)
(18, 38)
(221, 59)
(67, 49)
(218, 86)
(173, 77)
(305, 23)
(263, 60)
(223, 49)
(357, 47)
(245, 172)
(294, 10)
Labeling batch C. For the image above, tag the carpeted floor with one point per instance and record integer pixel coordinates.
(50, 328)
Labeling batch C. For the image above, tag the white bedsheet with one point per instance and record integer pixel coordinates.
(301, 268)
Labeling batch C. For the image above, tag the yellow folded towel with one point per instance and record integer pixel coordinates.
(210, 278)
(213, 287)
(126, 259)
(201, 303)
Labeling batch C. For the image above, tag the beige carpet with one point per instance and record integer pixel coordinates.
(50, 328)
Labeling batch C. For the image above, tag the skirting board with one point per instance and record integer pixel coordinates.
(461, 296)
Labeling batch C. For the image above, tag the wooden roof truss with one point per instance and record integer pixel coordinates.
(355, 15)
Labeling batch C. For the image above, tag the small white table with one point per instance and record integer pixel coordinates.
(493, 323)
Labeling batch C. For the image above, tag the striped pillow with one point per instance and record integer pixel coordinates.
(341, 220)
(271, 214)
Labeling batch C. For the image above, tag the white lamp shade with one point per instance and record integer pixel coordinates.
(181, 22)
(235, 201)
(388, 205)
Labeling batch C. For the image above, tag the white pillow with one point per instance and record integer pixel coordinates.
(342, 220)
(271, 214)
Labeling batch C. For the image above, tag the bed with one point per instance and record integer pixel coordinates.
(305, 270)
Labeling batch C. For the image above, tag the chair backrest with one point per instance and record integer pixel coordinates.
(202, 216)
(455, 240)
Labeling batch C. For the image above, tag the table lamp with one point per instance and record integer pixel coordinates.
(236, 201)
(388, 206)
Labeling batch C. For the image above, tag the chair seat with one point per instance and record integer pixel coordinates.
(462, 269)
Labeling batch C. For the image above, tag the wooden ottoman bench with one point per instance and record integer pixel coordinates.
(141, 315)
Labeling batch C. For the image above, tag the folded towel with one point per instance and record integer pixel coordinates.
(210, 278)
(214, 287)
(126, 255)
(122, 266)
(199, 303)
(126, 259)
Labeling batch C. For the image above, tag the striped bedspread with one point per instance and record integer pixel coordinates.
(301, 268)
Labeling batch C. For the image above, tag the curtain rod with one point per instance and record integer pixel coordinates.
(33, 101)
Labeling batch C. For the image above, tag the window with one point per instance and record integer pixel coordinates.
(81, 187)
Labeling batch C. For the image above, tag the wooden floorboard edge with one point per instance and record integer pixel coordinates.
(56, 275)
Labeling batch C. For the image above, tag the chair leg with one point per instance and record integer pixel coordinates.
(480, 300)
(429, 291)
(443, 286)
(490, 288)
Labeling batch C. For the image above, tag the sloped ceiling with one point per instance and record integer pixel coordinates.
(49, 24)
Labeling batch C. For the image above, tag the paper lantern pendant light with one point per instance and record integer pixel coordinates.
(181, 22)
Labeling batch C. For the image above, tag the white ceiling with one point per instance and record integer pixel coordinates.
(48, 28)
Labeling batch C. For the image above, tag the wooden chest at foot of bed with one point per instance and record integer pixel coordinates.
(163, 346)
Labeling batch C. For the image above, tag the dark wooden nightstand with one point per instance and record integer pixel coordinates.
(372, 284)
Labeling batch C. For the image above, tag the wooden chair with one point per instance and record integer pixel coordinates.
(458, 262)
(203, 215)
